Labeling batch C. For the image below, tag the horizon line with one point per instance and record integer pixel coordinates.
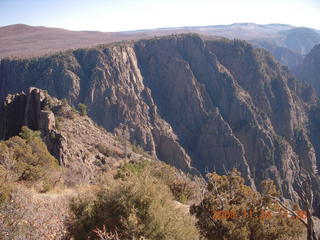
(161, 28)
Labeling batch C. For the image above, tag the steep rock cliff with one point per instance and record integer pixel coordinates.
(309, 70)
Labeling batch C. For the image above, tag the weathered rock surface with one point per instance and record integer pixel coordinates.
(212, 105)
(309, 70)
(285, 56)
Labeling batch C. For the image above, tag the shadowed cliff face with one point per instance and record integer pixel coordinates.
(309, 70)
(285, 56)
(29, 110)
(213, 105)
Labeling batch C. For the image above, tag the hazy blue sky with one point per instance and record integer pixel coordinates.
(120, 15)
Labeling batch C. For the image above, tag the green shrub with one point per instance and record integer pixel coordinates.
(182, 187)
(136, 207)
(28, 134)
(47, 104)
(26, 159)
(231, 210)
(82, 109)
(129, 169)
(64, 102)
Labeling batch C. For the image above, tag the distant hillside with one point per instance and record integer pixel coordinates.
(287, 43)
(23, 40)
(246, 31)
(298, 39)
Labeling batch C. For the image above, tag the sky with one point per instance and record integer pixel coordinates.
(123, 15)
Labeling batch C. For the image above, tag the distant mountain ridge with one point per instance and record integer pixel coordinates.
(282, 35)
(287, 43)
(22, 40)
(258, 28)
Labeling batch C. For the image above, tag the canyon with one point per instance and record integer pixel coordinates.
(197, 103)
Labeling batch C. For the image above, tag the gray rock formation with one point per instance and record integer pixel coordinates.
(284, 55)
(29, 110)
(309, 70)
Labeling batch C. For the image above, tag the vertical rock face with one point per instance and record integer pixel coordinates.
(285, 56)
(309, 70)
(212, 105)
(109, 82)
(28, 109)
(24, 110)
(188, 83)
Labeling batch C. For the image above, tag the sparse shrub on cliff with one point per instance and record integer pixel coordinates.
(83, 109)
(104, 149)
(139, 150)
(66, 111)
(129, 169)
(64, 102)
(28, 134)
(47, 104)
